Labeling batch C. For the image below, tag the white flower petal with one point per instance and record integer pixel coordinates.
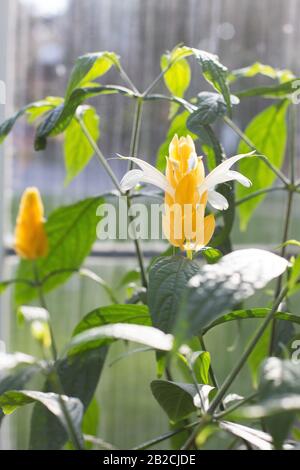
(236, 175)
(149, 174)
(221, 173)
(217, 200)
(193, 161)
(131, 179)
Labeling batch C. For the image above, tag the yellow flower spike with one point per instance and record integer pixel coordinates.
(31, 240)
(186, 187)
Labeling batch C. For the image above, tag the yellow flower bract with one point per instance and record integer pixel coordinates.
(31, 240)
(187, 229)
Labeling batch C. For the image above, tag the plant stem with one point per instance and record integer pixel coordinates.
(259, 193)
(165, 436)
(99, 154)
(250, 144)
(128, 80)
(133, 151)
(70, 425)
(231, 377)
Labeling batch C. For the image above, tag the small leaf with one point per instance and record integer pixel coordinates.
(283, 90)
(77, 149)
(79, 377)
(278, 399)
(179, 400)
(88, 67)
(257, 438)
(71, 232)
(168, 278)
(136, 314)
(220, 286)
(146, 335)
(252, 313)
(210, 106)
(215, 73)
(200, 361)
(267, 131)
(212, 255)
(12, 400)
(257, 68)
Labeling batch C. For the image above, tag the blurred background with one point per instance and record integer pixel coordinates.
(39, 42)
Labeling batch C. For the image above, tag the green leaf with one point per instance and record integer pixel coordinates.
(267, 131)
(212, 255)
(77, 149)
(32, 110)
(257, 68)
(261, 440)
(12, 400)
(215, 73)
(60, 117)
(168, 278)
(218, 287)
(89, 67)
(178, 126)
(146, 335)
(71, 232)
(177, 78)
(278, 399)
(200, 362)
(179, 400)
(136, 314)
(79, 377)
(90, 421)
(210, 106)
(283, 90)
(294, 276)
(252, 313)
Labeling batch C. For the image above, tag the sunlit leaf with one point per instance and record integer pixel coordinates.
(218, 287)
(267, 131)
(77, 149)
(71, 232)
(257, 68)
(146, 335)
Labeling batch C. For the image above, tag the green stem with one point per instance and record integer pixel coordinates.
(99, 154)
(231, 377)
(250, 144)
(128, 80)
(259, 193)
(288, 215)
(70, 425)
(133, 152)
(165, 436)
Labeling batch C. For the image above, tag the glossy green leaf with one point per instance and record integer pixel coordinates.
(218, 287)
(60, 117)
(179, 400)
(71, 232)
(89, 67)
(168, 278)
(259, 439)
(257, 68)
(267, 131)
(126, 313)
(12, 400)
(215, 73)
(252, 313)
(278, 399)
(212, 255)
(283, 90)
(210, 106)
(79, 377)
(178, 126)
(77, 149)
(147, 335)
(200, 362)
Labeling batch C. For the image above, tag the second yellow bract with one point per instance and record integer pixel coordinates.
(31, 240)
(185, 224)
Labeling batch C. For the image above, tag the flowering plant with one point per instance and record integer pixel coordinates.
(199, 283)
